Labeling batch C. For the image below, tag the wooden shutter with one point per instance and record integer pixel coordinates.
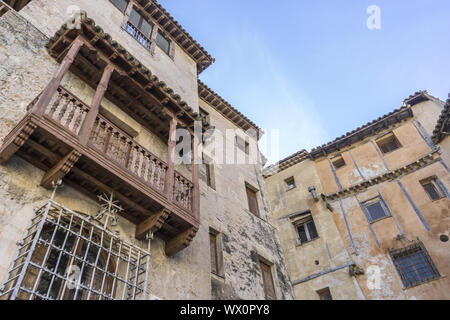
(269, 287)
(252, 201)
(213, 249)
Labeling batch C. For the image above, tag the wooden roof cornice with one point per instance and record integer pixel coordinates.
(443, 124)
(139, 76)
(286, 163)
(364, 131)
(176, 32)
(226, 109)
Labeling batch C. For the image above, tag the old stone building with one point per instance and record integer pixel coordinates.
(366, 216)
(97, 201)
(93, 94)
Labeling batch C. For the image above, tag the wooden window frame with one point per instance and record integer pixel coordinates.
(127, 1)
(251, 191)
(385, 140)
(304, 222)
(266, 269)
(436, 185)
(216, 242)
(244, 146)
(371, 202)
(163, 35)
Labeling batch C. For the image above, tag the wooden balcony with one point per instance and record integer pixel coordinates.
(110, 161)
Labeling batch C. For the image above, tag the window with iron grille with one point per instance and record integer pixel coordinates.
(65, 255)
(306, 230)
(139, 28)
(414, 265)
(375, 210)
(432, 188)
(388, 143)
(120, 4)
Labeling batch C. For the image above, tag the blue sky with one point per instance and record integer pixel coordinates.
(312, 69)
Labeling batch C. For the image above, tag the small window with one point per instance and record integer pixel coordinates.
(325, 294)
(338, 162)
(269, 287)
(242, 144)
(388, 143)
(375, 210)
(290, 183)
(204, 114)
(252, 196)
(120, 4)
(213, 249)
(206, 171)
(414, 265)
(432, 188)
(139, 28)
(163, 42)
(306, 230)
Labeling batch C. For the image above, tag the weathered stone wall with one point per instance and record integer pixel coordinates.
(317, 256)
(245, 236)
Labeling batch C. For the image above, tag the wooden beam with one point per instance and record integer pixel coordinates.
(181, 241)
(61, 169)
(7, 150)
(152, 224)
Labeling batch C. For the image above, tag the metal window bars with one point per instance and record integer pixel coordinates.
(414, 264)
(67, 256)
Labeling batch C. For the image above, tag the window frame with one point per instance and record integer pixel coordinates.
(244, 146)
(115, 5)
(325, 291)
(217, 244)
(266, 269)
(288, 182)
(433, 181)
(415, 247)
(249, 190)
(338, 160)
(304, 222)
(372, 202)
(382, 141)
(161, 34)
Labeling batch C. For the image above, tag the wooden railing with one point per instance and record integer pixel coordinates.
(138, 35)
(183, 191)
(124, 151)
(68, 111)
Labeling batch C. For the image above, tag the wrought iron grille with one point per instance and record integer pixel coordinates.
(414, 264)
(67, 256)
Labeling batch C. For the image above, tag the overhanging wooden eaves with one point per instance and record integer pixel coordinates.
(175, 31)
(133, 87)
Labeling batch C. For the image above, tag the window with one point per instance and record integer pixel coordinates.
(433, 188)
(204, 114)
(306, 230)
(269, 288)
(325, 294)
(290, 183)
(139, 28)
(375, 210)
(242, 144)
(120, 4)
(213, 249)
(252, 196)
(206, 171)
(216, 251)
(388, 143)
(163, 42)
(414, 265)
(338, 162)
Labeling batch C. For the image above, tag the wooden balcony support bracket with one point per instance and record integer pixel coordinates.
(180, 242)
(18, 140)
(60, 170)
(50, 90)
(152, 224)
(88, 123)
